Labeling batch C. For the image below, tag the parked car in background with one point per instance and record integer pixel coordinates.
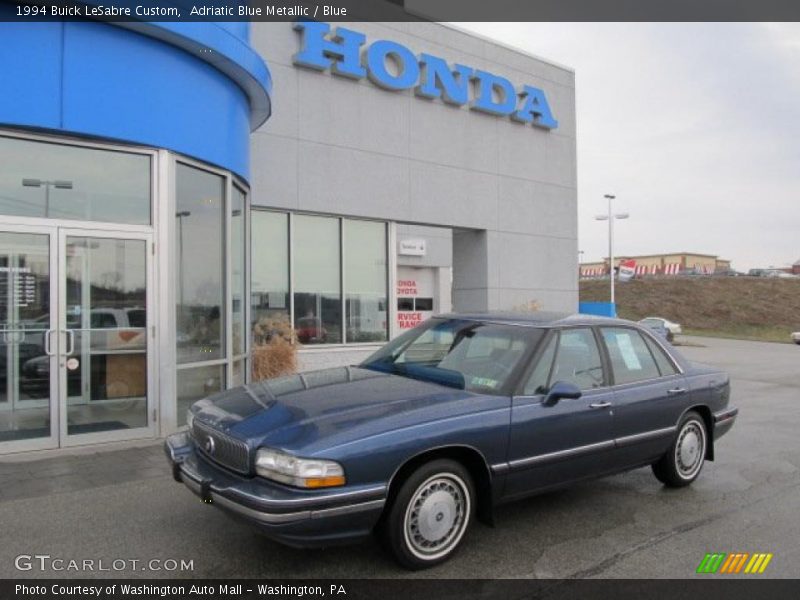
(796, 337)
(658, 328)
(674, 328)
(446, 421)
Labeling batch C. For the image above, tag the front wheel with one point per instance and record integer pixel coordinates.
(681, 465)
(430, 514)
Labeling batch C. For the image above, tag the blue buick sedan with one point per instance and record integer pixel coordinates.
(446, 422)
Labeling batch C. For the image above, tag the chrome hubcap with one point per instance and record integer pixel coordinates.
(437, 516)
(690, 449)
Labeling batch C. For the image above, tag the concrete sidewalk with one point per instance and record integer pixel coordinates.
(81, 469)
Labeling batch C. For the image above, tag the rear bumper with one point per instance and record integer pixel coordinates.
(724, 420)
(294, 517)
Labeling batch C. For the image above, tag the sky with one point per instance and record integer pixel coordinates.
(695, 128)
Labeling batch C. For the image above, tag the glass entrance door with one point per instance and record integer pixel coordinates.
(104, 370)
(75, 349)
(27, 338)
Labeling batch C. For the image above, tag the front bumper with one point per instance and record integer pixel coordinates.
(299, 518)
(723, 421)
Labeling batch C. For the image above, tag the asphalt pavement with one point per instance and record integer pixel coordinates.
(123, 505)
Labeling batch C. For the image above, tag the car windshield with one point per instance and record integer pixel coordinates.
(478, 357)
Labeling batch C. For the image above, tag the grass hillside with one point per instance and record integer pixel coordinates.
(739, 307)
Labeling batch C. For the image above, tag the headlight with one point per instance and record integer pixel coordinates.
(300, 472)
(189, 419)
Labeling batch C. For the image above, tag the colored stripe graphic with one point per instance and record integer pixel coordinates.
(734, 563)
(758, 563)
(711, 562)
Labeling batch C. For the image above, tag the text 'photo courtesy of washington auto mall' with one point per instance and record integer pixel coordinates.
(382, 298)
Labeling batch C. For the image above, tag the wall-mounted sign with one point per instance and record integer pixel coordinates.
(429, 76)
(412, 247)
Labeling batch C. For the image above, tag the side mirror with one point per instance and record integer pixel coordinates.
(560, 390)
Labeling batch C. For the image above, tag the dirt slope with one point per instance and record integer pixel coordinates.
(748, 307)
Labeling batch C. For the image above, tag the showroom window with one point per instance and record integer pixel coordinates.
(270, 266)
(59, 181)
(211, 258)
(317, 280)
(200, 237)
(339, 271)
(365, 280)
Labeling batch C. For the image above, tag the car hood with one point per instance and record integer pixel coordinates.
(322, 408)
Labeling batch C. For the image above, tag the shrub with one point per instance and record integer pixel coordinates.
(274, 348)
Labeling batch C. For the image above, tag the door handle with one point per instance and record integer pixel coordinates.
(676, 391)
(600, 404)
(47, 349)
(71, 341)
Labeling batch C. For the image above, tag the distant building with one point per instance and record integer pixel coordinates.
(796, 268)
(662, 264)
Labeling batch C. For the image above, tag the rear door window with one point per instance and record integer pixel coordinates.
(630, 358)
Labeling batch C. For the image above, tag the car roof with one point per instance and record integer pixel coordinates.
(536, 319)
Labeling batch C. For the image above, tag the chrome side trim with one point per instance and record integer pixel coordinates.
(724, 415)
(347, 509)
(502, 468)
(560, 455)
(643, 437)
(315, 500)
(278, 518)
(257, 515)
(499, 468)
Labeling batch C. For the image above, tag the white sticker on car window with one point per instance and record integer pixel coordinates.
(626, 349)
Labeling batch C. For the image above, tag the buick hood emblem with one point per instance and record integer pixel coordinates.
(209, 445)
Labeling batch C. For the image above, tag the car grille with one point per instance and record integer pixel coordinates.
(228, 452)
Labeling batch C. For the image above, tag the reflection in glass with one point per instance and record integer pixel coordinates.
(238, 326)
(365, 281)
(106, 342)
(237, 377)
(196, 383)
(41, 179)
(199, 223)
(24, 320)
(269, 253)
(317, 293)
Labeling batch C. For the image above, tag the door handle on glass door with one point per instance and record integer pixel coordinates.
(47, 335)
(71, 338)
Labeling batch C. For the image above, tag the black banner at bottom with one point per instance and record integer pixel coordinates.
(401, 589)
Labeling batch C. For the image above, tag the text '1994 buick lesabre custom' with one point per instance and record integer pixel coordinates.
(445, 422)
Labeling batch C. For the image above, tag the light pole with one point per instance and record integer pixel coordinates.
(59, 184)
(610, 217)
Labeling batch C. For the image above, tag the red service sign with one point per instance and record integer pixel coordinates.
(409, 320)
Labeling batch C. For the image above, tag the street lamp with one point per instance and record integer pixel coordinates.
(59, 184)
(610, 217)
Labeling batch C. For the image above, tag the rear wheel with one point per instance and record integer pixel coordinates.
(682, 463)
(430, 514)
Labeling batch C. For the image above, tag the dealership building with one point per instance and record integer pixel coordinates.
(164, 187)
